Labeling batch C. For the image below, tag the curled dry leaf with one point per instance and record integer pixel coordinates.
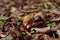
(36, 36)
(56, 19)
(47, 29)
(13, 9)
(2, 35)
(6, 1)
(28, 33)
(46, 37)
(42, 30)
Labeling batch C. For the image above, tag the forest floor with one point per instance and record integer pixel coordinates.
(29, 20)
